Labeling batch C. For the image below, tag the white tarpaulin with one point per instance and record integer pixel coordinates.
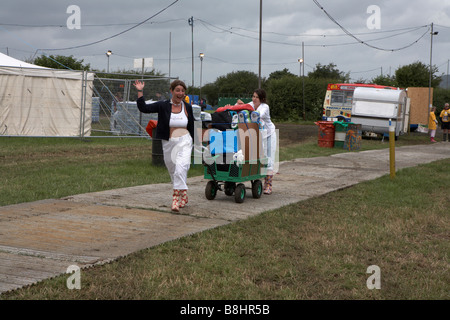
(36, 101)
(8, 61)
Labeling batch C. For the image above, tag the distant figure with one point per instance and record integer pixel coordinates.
(202, 104)
(432, 124)
(117, 98)
(445, 118)
(115, 112)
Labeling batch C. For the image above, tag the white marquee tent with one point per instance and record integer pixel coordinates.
(38, 101)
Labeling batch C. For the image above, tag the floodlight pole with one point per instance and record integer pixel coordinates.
(431, 61)
(191, 23)
(260, 37)
(170, 51)
(303, 79)
(201, 55)
(108, 54)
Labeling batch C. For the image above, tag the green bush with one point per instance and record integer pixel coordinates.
(440, 97)
(285, 97)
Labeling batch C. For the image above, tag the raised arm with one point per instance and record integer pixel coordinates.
(142, 106)
(139, 85)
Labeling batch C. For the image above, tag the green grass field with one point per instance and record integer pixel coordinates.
(315, 249)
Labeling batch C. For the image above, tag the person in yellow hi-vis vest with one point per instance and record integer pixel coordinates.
(432, 124)
(445, 118)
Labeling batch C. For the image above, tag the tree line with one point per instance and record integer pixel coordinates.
(291, 97)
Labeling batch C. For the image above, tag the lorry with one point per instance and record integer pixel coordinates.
(376, 109)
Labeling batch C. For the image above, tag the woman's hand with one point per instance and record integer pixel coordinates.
(240, 101)
(139, 85)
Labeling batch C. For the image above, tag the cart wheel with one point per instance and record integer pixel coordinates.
(229, 188)
(257, 189)
(239, 193)
(210, 190)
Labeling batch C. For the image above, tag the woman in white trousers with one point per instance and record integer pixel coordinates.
(175, 128)
(268, 134)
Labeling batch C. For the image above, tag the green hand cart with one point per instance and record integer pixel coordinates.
(229, 175)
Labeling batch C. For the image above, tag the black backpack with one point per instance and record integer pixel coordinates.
(221, 120)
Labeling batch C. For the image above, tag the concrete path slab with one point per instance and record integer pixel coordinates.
(41, 239)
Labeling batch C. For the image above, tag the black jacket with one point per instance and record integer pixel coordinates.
(164, 109)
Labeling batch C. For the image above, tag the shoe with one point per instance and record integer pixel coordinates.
(432, 140)
(175, 200)
(268, 185)
(183, 198)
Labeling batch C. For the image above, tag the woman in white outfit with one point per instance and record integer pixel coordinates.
(175, 128)
(268, 134)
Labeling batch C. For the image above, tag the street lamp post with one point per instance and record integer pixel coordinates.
(260, 43)
(433, 33)
(201, 55)
(191, 23)
(108, 53)
(302, 72)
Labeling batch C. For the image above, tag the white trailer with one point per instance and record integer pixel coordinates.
(375, 108)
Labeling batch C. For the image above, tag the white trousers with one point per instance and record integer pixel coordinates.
(432, 133)
(270, 147)
(177, 158)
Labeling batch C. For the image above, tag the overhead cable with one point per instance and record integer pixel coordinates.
(361, 41)
(117, 34)
(230, 30)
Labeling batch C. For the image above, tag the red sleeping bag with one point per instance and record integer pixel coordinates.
(237, 107)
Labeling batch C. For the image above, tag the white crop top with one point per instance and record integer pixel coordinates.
(178, 120)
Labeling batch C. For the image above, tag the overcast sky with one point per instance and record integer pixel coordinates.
(394, 32)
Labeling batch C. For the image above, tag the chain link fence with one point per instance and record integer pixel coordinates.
(114, 109)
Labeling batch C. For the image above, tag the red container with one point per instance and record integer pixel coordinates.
(326, 134)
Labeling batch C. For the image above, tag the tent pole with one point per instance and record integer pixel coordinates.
(83, 103)
(81, 108)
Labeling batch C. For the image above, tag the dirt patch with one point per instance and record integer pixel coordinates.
(295, 133)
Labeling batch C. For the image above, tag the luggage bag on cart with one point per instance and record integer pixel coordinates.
(231, 158)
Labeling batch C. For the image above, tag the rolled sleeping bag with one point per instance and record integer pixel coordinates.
(254, 116)
(243, 116)
(234, 121)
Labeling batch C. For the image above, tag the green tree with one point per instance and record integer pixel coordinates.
(385, 80)
(416, 74)
(237, 83)
(61, 62)
(285, 97)
(328, 72)
(211, 92)
(440, 97)
(280, 74)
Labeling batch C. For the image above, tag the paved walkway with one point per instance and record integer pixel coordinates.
(40, 240)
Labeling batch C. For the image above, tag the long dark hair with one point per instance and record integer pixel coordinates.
(261, 95)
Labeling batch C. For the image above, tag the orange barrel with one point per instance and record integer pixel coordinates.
(326, 134)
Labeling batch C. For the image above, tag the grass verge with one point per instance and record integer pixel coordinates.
(315, 249)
